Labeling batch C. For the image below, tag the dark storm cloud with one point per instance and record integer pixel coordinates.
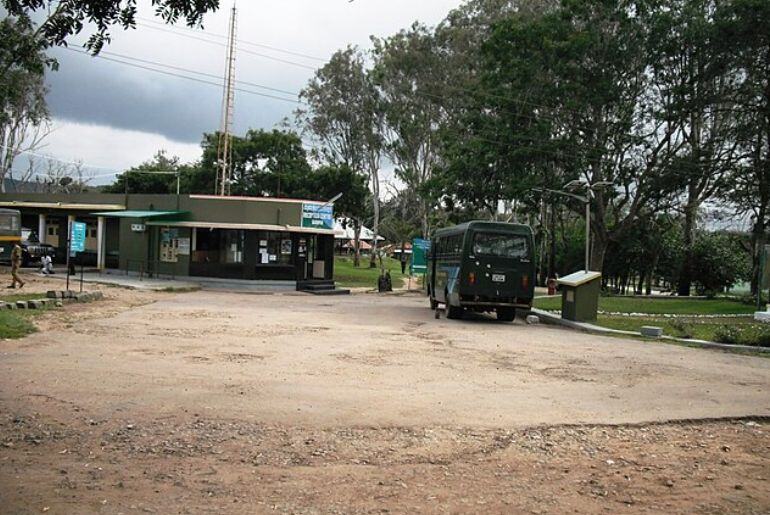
(98, 91)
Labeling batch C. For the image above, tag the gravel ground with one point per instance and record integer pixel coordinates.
(232, 403)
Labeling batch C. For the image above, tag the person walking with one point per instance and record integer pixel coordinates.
(15, 266)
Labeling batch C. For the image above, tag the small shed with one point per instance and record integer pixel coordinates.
(580, 296)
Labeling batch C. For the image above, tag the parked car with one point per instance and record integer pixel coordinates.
(32, 250)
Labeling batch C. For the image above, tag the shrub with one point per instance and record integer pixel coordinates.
(750, 334)
(683, 328)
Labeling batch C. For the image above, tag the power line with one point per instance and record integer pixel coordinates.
(250, 52)
(187, 70)
(222, 36)
(172, 74)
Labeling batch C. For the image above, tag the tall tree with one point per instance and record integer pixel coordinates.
(589, 77)
(409, 72)
(23, 109)
(744, 52)
(698, 91)
(344, 117)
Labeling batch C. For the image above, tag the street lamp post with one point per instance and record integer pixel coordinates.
(590, 188)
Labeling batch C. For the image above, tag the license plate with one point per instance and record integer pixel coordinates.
(498, 278)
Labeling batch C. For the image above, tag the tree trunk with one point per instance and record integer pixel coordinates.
(552, 252)
(685, 275)
(598, 250)
(356, 242)
(758, 239)
(376, 219)
(424, 219)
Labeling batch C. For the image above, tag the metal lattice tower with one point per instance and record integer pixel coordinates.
(224, 145)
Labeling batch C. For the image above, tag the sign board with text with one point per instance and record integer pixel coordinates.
(78, 237)
(317, 216)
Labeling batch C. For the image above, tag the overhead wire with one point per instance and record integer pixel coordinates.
(196, 79)
(223, 36)
(240, 50)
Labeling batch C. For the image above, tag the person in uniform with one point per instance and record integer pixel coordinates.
(15, 266)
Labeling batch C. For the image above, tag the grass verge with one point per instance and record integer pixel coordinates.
(676, 306)
(349, 276)
(16, 323)
(744, 331)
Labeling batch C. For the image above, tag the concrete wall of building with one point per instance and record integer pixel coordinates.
(130, 249)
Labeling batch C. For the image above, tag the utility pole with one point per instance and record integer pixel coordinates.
(224, 145)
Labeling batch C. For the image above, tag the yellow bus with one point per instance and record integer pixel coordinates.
(10, 232)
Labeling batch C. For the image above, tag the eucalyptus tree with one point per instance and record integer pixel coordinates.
(344, 117)
(743, 49)
(23, 110)
(584, 71)
(699, 90)
(410, 76)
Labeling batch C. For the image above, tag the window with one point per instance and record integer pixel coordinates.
(9, 222)
(232, 241)
(218, 246)
(275, 248)
(500, 245)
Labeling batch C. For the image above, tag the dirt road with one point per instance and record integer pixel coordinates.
(216, 402)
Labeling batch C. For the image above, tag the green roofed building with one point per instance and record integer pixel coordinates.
(251, 238)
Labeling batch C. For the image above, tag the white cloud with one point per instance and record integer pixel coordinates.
(105, 150)
(116, 116)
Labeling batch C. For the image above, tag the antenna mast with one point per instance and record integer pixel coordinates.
(224, 145)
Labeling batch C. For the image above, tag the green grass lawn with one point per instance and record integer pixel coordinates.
(7, 296)
(711, 329)
(349, 276)
(675, 306)
(16, 323)
(740, 330)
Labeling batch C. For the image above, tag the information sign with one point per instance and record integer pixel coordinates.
(317, 216)
(420, 249)
(78, 238)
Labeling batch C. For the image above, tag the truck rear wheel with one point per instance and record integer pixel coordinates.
(506, 314)
(454, 312)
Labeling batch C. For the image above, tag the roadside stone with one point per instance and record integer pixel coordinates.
(652, 331)
(59, 304)
(34, 304)
(533, 319)
(53, 294)
(21, 304)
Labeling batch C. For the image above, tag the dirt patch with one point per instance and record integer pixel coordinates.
(74, 464)
(207, 401)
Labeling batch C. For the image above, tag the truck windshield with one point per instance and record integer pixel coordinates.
(500, 245)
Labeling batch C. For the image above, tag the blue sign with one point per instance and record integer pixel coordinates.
(78, 238)
(317, 216)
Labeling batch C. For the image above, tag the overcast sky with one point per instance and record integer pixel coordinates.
(114, 116)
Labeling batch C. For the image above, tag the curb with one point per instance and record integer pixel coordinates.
(550, 318)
